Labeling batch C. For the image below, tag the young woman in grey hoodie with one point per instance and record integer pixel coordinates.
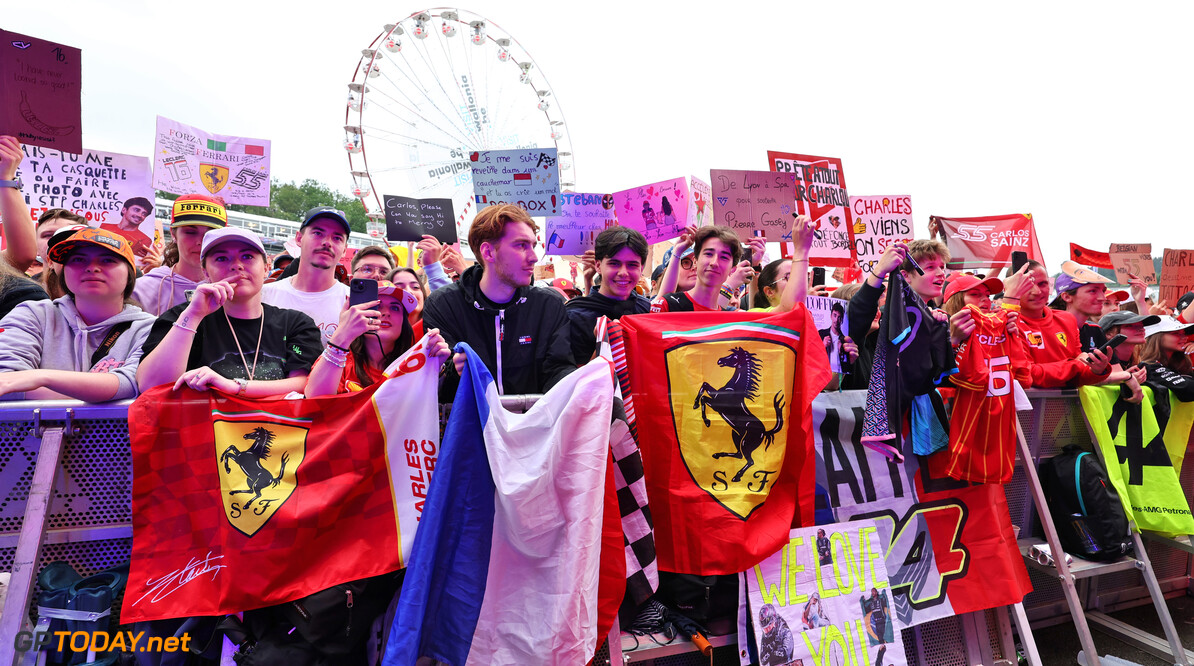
(87, 344)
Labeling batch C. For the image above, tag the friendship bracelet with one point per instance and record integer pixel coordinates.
(336, 352)
(185, 328)
(336, 346)
(726, 292)
(338, 362)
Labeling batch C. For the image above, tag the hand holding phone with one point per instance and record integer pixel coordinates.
(1113, 343)
(361, 290)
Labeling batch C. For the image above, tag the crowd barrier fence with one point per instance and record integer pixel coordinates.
(88, 524)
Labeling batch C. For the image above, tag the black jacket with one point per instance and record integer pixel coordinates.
(860, 314)
(584, 311)
(535, 351)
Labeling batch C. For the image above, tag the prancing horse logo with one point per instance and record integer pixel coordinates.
(255, 481)
(250, 463)
(729, 402)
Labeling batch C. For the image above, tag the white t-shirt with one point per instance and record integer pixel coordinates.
(322, 306)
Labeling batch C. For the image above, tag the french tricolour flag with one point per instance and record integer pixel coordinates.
(507, 563)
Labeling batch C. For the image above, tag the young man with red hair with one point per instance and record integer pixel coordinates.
(520, 332)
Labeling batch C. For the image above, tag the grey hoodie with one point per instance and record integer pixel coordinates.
(51, 335)
(161, 289)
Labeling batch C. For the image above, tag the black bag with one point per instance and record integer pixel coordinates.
(700, 598)
(1085, 507)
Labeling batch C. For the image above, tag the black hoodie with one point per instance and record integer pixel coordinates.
(535, 350)
(584, 311)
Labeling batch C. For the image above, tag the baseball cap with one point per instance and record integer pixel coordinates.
(387, 288)
(1185, 300)
(99, 237)
(1124, 317)
(63, 234)
(1168, 325)
(667, 256)
(966, 282)
(218, 236)
(328, 212)
(199, 210)
(1118, 296)
(565, 285)
(658, 272)
(1073, 276)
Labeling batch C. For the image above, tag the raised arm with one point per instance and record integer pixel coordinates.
(20, 238)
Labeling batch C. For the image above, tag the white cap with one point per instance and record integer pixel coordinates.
(218, 236)
(1168, 325)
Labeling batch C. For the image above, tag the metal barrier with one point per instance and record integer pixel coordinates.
(88, 521)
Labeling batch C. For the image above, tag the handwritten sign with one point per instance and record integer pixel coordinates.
(409, 219)
(1177, 275)
(188, 160)
(1134, 258)
(754, 203)
(824, 598)
(40, 85)
(700, 213)
(93, 184)
(820, 193)
(529, 178)
(581, 218)
(659, 210)
(878, 222)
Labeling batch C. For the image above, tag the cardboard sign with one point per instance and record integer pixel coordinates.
(829, 316)
(40, 86)
(529, 178)
(754, 203)
(1134, 258)
(1177, 275)
(824, 598)
(820, 193)
(878, 222)
(581, 218)
(409, 219)
(188, 160)
(658, 210)
(700, 213)
(111, 190)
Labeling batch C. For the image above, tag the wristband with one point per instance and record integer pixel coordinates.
(336, 346)
(241, 385)
(339, 362)
(726, 292)
(185, 328)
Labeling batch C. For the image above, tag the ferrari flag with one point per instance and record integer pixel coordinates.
(727, 445)
(241, 504)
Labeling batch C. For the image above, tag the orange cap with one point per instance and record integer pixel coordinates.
(112, 242)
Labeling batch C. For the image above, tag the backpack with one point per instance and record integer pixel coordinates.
(699, 598)
(1086, 509)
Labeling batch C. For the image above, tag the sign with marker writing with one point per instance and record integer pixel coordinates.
(700, 213)
(188, 160)
(754, 203)
(529, 178)
(824, 599)
(659, 210)
(40, 85)
(878, 222)
(1134, 258)
(1177, 275)
(409, 219)
(581, 218)
(820, 193)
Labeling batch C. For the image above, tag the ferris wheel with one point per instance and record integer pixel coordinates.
(430, 90)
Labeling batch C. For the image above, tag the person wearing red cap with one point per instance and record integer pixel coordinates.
(164, 287)
(85, 345)
(369, 337)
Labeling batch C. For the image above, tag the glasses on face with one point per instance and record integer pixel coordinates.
(375, 272)
(687, 263)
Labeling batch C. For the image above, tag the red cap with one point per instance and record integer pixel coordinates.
(1118, 296)
(966, 282)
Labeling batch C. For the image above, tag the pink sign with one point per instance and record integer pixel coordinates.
(39, 83)
(754, 203)
(658, 210)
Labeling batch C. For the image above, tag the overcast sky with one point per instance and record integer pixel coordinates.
(1076, 112)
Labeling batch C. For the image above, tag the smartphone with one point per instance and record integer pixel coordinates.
(361, 290)
(748, 254)
(1113, 343)
(1019, 258)
(818, 276)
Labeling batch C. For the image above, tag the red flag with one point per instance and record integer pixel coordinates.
(727, 446)
(979, 242)
(241, 504)
(1092, 258)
